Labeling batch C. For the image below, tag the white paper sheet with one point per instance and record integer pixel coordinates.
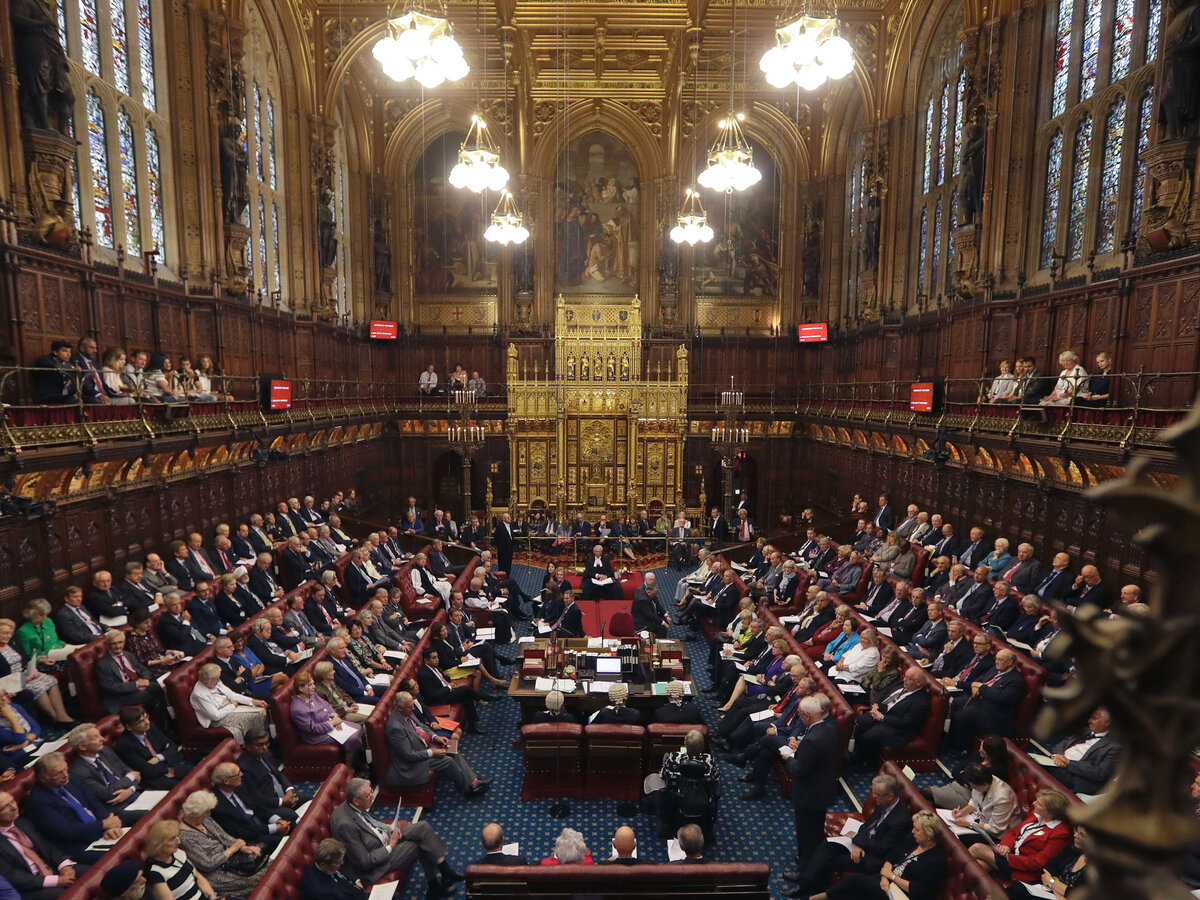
(761, 714)
(512, 849)
(398, 655)
(385, 891)
(381, 680)
(51, 747)
(302, 809)
(146, 801)
(786, 752)
(566, 685)
(485, 634)
(528, 639)
(343, 733)
(674, 851)
(851, 826)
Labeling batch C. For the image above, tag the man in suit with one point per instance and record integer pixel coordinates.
(910, 523)
(1003, 611)
(907, 620)
(814, 767)
(98, 770)
(927, 641)
(293, 513)
(691, 842)
(347, 677)
(359, 581)
(237, 814)
(262, 580)
(648, 614)
(570, 623)
(743, 527)
(977, 597)
(264, 783)
(493, 846)
(145, 748)
(102, 599)
(1085, 763)
(375, 848)
(26, 853)
(502, 542)
(893, 723)
(1055, 584)
(416, 750)
(887, 829)
(948, 544)
(155, 575)
(234, 675)
(276, 658)
(825, 558)
(241, 546)
(295, 564)
(296, 620)
(718, 527)
(438, 691)
(55, 379)
(954, 654)
(991, 707)
(883, 515)
(1037, 385)
(122, 677)
(1023, 573)
(259, 540)
(133, 593)
(309, 514)
(938, 575)
(177, 565)
(878, 595)
(1089, 590)
(975, 550)
(679, 708)
(979, 665)
(203, 611)
(222, 556)
(846, 576)
(175, 628)
(74, 622)
(198, 563)
(472, 535)
(73, 816)
(323, 878)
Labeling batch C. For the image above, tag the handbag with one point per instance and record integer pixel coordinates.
(243, 863)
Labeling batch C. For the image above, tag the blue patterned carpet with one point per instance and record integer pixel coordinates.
(760, 830)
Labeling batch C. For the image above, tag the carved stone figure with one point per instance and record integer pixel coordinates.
(811, 258)
(44, 90)
(974, 158)
(1179, 104)
(870, 247)
(327, 244)
(235, 166)
(383, 260)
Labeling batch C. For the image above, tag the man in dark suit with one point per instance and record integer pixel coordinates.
(1037, 385)
(177, 566)
(133, 593)
(55, 379)
(295, 565)
(1084, 763)
(98, 770)
(718, 527)
(502, 542)
(1089, 590)
(991, 707)
(236, 813)
(472, 535)
(241, 544)
(883, 515)
(258, 537)
(74, 621)
(263, 584)
(825, 559)
(616, 712)
(887, 829)
(493, 845)
(103, 599)
(323, 878)
(954, 654)
(264, 783)
(437, 691)
(974, 550)
(1003, 611)
(1055, 584)
(910, 617)
(1023, 573)
(73, 816)
(145, 748)
(878, 595)
(570, 623)
(814, 767)
(416, 750)
(648, 614)
(199, 565)
(122, 677)
(893, 723)
(18, 864)
(948, 544)
(976, 599)
(203, 610)
(175, 629)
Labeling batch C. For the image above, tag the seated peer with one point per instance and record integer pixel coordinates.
(818, 643)
(624, 844)
(991, 803)
(847, 638)
(236, 813)
(416, 751)
(991, 706)
(210, 848)
(327, 690)
(74, 816)
(569, 848)
(264, 782)
(74, 622)
(1025, 850)
(122, 678)
(918, 868)
(1084, 763)
(436, 689)
(315, 721)
(97, 769)
(324, 879)
(215, 704)
(39, 687)
(146, 648)
(492, 838)
(144, 747)
(29, 860)
(895, 722)
(348, 676)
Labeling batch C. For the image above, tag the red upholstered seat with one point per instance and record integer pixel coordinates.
(553, 757)
(179, 686)
(621, 625)
(615, 761)
(1026, 778)
(83, 683)
(664, 738)
(744, 880)
(918, 573)
(301, 761)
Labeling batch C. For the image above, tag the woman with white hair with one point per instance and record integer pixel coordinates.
(1071, 379)
(858, 660)
(215, 704)
(213, 851)
(569, 848)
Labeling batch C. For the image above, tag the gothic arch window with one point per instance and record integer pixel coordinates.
(1097, 120)
(263, 137)
(120, 189)
(940, 117)
(341, 292)
(857, 191)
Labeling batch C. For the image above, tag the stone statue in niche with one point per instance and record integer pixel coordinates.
(235, 192)
(610, 371)
(598, 368)
(624, 366)
(584, 365)
(811, 258)
(974, 159)
(870, 247)
(383, 260)
(668, 266)
(327, 244)
(571, 367)
(44, 89)
(1179, 103)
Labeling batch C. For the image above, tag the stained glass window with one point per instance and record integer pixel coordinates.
(1145, 114)
(154, 190)
(278, 284)
(1076, 215)
(120, 46)
(1050, 205)
(1122, 46)
(1110, 177)
(61, 14)
(271, 137)
(959, 93)
(1091, 48)
(943, 134)
(129, 192)
(89, 35)
(76, 204)
(1062, 57)
(935, 269)
(98, 149)
(928, 142)
(262, 242)
(922, 258)
(146, 53)
(258, 133)
(1154, 21)
(953, 225)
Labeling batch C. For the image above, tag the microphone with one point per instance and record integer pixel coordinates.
(603, 622)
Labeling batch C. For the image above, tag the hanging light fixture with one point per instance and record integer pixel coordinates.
(806, 53)
(420, 44)
(692, 227)
(508, 225)
(478, 167)
(730, 159)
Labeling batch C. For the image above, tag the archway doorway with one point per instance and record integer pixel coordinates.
(743, 484)
(448, 484)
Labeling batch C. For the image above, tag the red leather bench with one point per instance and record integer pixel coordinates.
(1026, 778)
(80, 666)
(553, 755)
(616, 757)
(301, 761)
(664, 738)
(741, 880)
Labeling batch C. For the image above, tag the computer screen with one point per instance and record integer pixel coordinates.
(608, 665)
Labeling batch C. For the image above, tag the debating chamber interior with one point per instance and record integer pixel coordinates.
(441, 438)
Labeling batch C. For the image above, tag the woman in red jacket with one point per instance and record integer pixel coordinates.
(1024, 851)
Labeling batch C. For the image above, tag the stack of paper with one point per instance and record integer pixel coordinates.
(566, 685)
(674, 851)
(343, 733)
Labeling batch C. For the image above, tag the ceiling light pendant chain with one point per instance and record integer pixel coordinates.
(420, 44)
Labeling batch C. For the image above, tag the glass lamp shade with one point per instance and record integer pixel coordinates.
(418, 45)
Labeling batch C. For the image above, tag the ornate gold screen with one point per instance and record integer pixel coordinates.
(598, 433)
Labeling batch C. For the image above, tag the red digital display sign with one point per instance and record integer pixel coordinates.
(920, 397)
(813, 334)
(280, 394)
(383, 330)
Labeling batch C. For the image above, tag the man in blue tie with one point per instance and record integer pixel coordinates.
(347, 677)
(74, 817)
